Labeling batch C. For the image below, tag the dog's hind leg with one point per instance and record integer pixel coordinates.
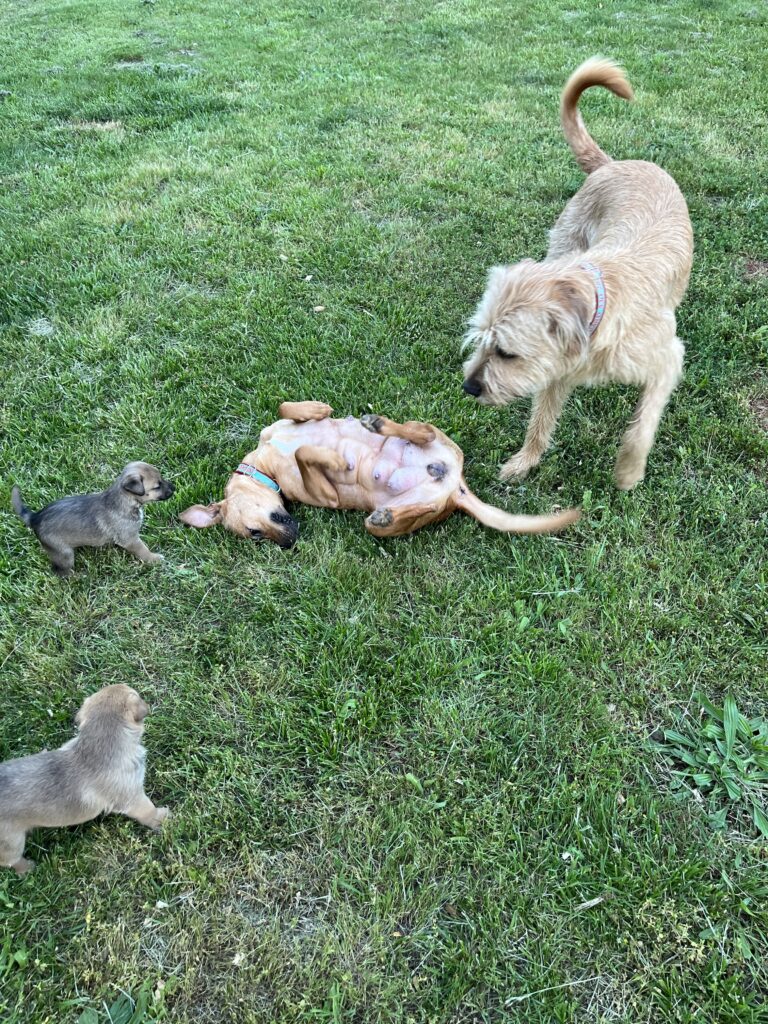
(640, 434)
(314, 462)
(12, 851)
(413, 431)
(302, 412)
(547, 406)
(62, 559)
(392, 522)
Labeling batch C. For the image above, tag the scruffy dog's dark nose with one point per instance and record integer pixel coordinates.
(472, 387)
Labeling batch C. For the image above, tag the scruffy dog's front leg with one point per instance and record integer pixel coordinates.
(640, 434)
(547, 406)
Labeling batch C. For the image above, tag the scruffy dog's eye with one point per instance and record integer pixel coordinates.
(257, 534)
(505, 355)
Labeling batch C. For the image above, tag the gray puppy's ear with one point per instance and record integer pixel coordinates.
(134, 484)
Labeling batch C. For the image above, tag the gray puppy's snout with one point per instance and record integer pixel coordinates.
(166, 488)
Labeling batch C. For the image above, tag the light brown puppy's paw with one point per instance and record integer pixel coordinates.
(517, 468)
(23, 866)
(161, 815)
(153, 559)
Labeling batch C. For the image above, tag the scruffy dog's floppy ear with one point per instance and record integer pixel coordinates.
(569, 322)
(134, 484)
(202, 515)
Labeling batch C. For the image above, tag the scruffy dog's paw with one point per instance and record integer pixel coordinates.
(153, 559)
(23, 866)
(626, 480)
(517, 468)
(381, 517)
(371, 422)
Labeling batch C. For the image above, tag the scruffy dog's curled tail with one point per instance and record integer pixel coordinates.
(24, 513)
(595, 71)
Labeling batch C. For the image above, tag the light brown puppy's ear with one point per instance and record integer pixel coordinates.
(140, 710)
(569, 322)
(202, 515)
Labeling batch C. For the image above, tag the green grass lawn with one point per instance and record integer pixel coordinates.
(398, 769)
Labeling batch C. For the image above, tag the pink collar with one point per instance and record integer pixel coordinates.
(597, 277)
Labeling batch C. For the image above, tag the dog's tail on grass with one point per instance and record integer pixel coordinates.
(497, 519)
(595, 71)
(21, 510)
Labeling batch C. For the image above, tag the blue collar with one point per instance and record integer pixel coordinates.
(597, 276)
(261, 478)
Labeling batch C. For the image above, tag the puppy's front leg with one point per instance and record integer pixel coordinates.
(138, 548)
(547, 406)
(145, 812)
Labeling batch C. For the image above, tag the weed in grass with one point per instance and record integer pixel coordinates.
(725, 757)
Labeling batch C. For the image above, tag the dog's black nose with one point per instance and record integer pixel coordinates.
(472, 387)
(282, 518)
(169, 488)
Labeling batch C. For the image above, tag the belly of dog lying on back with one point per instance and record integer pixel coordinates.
(379, 469)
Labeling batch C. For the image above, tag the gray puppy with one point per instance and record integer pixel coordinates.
(113, 516)
(100, 770)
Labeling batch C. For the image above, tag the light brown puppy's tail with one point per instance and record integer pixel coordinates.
(497, 519)
(595, 71)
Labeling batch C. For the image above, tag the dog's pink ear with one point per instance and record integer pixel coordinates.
(202, 515)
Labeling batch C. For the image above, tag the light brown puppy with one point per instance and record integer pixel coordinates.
(100, 770)
(600, 307)
(406, 475)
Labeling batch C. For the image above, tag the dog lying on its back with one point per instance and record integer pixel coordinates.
(113, 516)
(406, 475)
(100, 770)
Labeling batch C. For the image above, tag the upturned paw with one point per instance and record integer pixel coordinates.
(319, 410)
(372, 422)
(381, 517)
(518, 467)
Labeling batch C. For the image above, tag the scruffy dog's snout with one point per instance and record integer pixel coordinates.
(472, 387)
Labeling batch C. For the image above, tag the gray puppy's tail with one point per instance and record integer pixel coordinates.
(24, 513)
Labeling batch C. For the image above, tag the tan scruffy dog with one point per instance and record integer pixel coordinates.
(406, 475)
(600, 307)
(100, 770)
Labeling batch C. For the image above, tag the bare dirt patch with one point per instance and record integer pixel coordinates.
(759, 407)
(755, 269)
